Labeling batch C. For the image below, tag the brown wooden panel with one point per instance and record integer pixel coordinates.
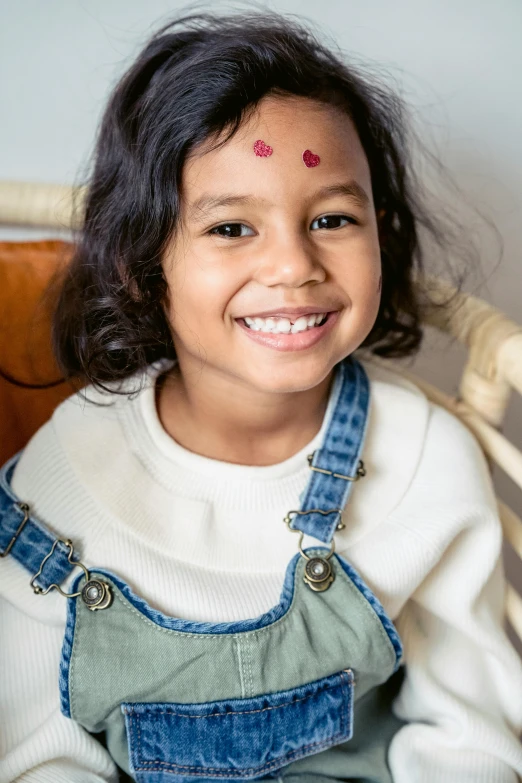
(26, 303)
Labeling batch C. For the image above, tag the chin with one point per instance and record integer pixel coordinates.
(290, 377)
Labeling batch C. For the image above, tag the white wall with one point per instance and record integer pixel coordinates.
(457, 62)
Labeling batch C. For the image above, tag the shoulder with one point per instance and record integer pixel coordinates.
(448, 453)
(451, 487)
(441, 438)
(419, 457)
(397, 405)
(453, 454)
(398, 419)
(85, 432)
(83, 455)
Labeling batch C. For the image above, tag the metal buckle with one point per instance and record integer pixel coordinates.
(359, 473)
(38, 590)
(25, 508)
(288, 518)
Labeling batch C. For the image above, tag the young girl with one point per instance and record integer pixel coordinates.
(250, 224)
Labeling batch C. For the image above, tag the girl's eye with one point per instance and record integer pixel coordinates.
(331, 221)
(231, 230)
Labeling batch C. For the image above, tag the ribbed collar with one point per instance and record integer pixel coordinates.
(192, 475)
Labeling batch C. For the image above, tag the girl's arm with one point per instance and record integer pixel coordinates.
(37, 743)
(462, 692)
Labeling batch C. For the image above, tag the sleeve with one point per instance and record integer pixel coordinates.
(462, 691)
(37, 743)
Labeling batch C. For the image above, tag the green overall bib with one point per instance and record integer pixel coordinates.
(302, 692)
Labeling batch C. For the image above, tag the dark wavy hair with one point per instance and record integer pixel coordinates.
(197, 78)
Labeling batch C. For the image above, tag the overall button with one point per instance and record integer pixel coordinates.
(318, 574)
(96, 594)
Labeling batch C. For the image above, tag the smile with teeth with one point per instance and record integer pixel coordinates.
(285, 325)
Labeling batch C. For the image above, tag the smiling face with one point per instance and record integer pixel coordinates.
(269, 235)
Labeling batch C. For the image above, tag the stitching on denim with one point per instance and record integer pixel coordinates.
(145, 766)
(343, 686)
(132, 729)
(237, 646)
(348, 686)
(211, 635)
(350, 709)
(72, 661)
(66, 662)
(370, 611)
(248, 650)
(137, 722)
(147, 621)
(362, 401)
(322, 688)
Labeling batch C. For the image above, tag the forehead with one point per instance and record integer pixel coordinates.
(289, 126)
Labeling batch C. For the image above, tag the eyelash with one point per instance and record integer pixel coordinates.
(213, 231)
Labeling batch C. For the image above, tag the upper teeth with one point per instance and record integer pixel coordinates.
(284, 325)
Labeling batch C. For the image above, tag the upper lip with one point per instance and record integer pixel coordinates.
(289, 312)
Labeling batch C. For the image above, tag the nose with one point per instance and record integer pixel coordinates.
(291, 261)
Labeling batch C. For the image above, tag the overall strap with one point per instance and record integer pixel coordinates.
(336, 465)
(43, 554)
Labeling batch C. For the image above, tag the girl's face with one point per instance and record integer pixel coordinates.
(262, 235)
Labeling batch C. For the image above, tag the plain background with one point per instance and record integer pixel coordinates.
(457, 64)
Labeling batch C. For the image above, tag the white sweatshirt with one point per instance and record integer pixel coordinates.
(205, 540)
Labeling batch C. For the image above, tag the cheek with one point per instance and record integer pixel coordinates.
(361, 280)
(198, 285)
(359, 271)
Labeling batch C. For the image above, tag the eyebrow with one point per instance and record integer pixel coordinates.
(207, 202)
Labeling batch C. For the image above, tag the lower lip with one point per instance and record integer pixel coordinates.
(291, 342)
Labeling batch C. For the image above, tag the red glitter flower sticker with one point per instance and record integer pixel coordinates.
(261, 149)
(310, 160)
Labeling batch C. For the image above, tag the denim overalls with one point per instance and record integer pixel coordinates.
(303, 691)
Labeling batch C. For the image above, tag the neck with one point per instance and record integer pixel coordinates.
(223, 419)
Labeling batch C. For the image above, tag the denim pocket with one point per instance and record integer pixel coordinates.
(238, 739)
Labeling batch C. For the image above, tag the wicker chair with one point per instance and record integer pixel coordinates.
(492, 371)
